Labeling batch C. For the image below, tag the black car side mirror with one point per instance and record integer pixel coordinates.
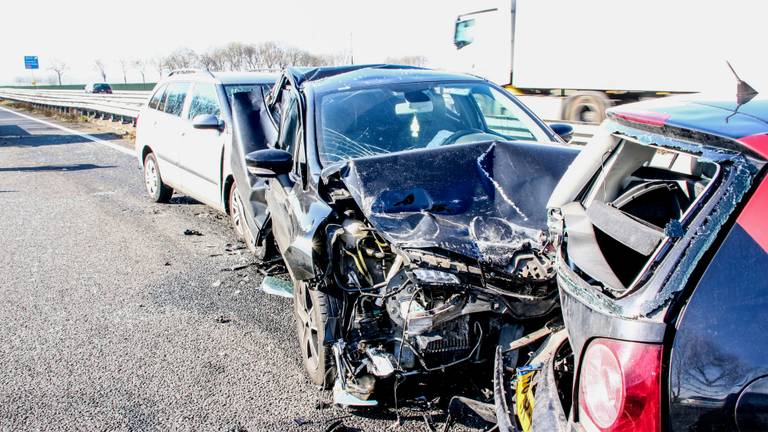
(269, 163)
(563, 130)
(207, 121)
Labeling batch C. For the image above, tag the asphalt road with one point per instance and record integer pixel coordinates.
(112, 319)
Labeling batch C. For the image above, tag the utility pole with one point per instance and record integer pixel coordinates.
(351, 50)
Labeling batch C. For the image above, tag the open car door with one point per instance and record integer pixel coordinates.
(253, 130)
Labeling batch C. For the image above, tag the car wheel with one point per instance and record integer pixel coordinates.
(243, 231)
(312, 309)
(236, 212)
(159, 191)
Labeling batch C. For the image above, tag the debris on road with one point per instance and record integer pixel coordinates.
(191, 232)
(216, 284)
(301, 421)
(222, 319)
(236, 268)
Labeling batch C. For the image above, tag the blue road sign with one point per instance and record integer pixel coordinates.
(30, 62)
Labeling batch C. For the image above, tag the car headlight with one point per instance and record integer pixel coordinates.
(436, 277)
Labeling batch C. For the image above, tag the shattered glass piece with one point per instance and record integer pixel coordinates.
(277, 286)
(674, 229)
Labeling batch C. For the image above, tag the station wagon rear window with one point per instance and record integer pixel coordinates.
(642, 196)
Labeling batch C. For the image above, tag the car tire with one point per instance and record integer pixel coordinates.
(312, 310)
(157, 190)
(242, 230)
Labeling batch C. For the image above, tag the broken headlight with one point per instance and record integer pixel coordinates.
(436, 277)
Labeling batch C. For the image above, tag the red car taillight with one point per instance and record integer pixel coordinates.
(620, 386)
(136, 122)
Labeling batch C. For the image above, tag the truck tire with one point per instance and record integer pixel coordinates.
(314, 311)
(586, 107)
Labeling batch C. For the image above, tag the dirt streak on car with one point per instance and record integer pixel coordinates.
(408, 206)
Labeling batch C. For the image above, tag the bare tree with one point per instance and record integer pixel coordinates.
(416, 60)
(212, 60)
(58, 67)
(98, 65)
(158, 63)
(238, 56)
(181, 58)
(271, 55)
(125, 64)
(233, 55)
(140, 66)
(251, 58)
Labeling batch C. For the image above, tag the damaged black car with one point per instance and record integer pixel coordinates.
(408, 206)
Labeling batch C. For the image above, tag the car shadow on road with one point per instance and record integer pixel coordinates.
(25, 140)
(183, 199)
(43, 168)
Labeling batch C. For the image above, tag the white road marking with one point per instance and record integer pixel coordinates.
(119, 148)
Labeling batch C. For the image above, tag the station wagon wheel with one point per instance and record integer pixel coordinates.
(312, 311)
(238, 217)
(236, 211)
(157, 190)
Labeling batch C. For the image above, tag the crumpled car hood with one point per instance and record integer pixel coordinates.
(484, 201)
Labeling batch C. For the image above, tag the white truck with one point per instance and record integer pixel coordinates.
(588, 55)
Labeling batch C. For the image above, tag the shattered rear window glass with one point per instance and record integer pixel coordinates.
(400, 117)
(642, 197)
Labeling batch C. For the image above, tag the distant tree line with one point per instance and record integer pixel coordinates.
(235, 56)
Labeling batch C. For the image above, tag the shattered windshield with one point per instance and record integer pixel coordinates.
(399, 117)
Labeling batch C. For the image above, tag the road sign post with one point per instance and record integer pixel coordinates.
(31, 63)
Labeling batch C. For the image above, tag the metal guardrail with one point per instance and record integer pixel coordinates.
(119, 106)
(124, 105)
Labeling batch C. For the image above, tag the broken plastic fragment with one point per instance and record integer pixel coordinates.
(345, 398)
(381, 363)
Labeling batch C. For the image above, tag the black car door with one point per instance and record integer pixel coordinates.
(280, 191)
(253, 129)
(296, 209)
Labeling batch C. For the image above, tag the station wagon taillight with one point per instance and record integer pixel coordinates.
(620, 386)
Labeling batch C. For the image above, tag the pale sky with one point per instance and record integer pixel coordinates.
(680, 43)
(79, 31)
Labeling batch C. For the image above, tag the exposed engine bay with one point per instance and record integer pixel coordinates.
(415, 312)
(431, 276)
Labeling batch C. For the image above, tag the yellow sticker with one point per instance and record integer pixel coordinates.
(524, 398)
